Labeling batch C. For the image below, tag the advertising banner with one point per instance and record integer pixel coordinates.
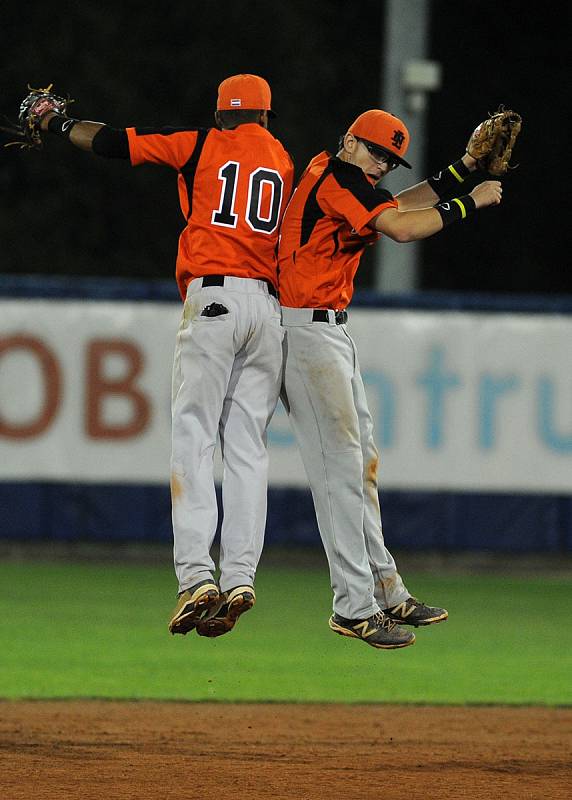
(461, 401)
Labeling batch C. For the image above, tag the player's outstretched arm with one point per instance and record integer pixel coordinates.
(446, 182)
(410, 226)
(81, 133)
(94, 137)
(42, 110)
(43, 113)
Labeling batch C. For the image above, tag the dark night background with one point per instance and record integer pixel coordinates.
(67, 212)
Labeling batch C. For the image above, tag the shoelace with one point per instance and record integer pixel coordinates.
(384, 622)
(419, 603)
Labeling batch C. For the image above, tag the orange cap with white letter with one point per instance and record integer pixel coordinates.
(385, 131)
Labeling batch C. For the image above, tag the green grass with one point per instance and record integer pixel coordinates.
(100, 631)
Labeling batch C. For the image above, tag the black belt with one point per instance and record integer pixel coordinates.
(321, 315)
(218, 280)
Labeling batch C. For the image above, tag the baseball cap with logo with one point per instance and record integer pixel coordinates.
(386, 132)
(244, 92)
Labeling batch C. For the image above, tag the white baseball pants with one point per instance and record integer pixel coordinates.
(226, 380)
(324, 393)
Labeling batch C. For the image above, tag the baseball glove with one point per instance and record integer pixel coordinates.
(36, 105)
(492, 141)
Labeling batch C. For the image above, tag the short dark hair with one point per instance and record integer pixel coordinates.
(237, 116)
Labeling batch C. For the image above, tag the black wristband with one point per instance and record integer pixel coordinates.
(456, 209)
(447, 181)
(61, 126)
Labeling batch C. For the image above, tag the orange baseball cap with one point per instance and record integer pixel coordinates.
(383, 130)
(244, 92)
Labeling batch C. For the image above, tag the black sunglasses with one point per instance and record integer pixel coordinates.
(379, 155)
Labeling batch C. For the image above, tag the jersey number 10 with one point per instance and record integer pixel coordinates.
(226, 214)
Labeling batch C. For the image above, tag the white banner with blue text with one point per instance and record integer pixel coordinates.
(461, 401)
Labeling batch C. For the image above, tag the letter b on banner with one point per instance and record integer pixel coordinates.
(102, 387)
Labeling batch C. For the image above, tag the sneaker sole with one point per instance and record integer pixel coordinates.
(217, 626)
(352, 635)
(420, 624)
(188, 617)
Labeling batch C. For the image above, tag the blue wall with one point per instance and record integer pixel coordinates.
(412, 520)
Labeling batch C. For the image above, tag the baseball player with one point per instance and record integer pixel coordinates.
(234, 181)
(334, 213)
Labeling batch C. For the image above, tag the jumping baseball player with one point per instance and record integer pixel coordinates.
(234, 181)
(334, 213)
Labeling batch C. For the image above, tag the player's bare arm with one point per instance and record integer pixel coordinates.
(410, 226)
(82, 132)
(423, 195)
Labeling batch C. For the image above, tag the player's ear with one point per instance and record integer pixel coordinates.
(263, 119)
(217, 120)
(349, 142)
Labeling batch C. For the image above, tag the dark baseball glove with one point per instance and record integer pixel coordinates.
(492, 141)
(36, 105)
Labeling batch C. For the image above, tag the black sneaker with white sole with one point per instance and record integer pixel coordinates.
(224, 616)
(192, 604)
(378, 631)
(413, 612)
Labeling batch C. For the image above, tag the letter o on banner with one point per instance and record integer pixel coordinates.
(52, 387)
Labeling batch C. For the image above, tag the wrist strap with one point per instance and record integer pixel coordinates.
(447, 181)
(61, 126)
(456, 209)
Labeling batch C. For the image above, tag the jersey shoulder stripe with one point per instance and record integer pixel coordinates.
(312, 212)
(383, 196)
(189, 170)
(352, 179)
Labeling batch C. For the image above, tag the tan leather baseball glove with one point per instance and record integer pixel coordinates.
(492, 141)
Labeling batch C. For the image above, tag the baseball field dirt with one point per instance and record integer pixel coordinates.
(78, 750)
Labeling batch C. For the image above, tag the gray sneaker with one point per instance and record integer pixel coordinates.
(224, 616)
(413, 612)
(378, 631)
(192, 604)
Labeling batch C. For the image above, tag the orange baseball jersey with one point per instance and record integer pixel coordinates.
(233, 187)
(325, 231)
